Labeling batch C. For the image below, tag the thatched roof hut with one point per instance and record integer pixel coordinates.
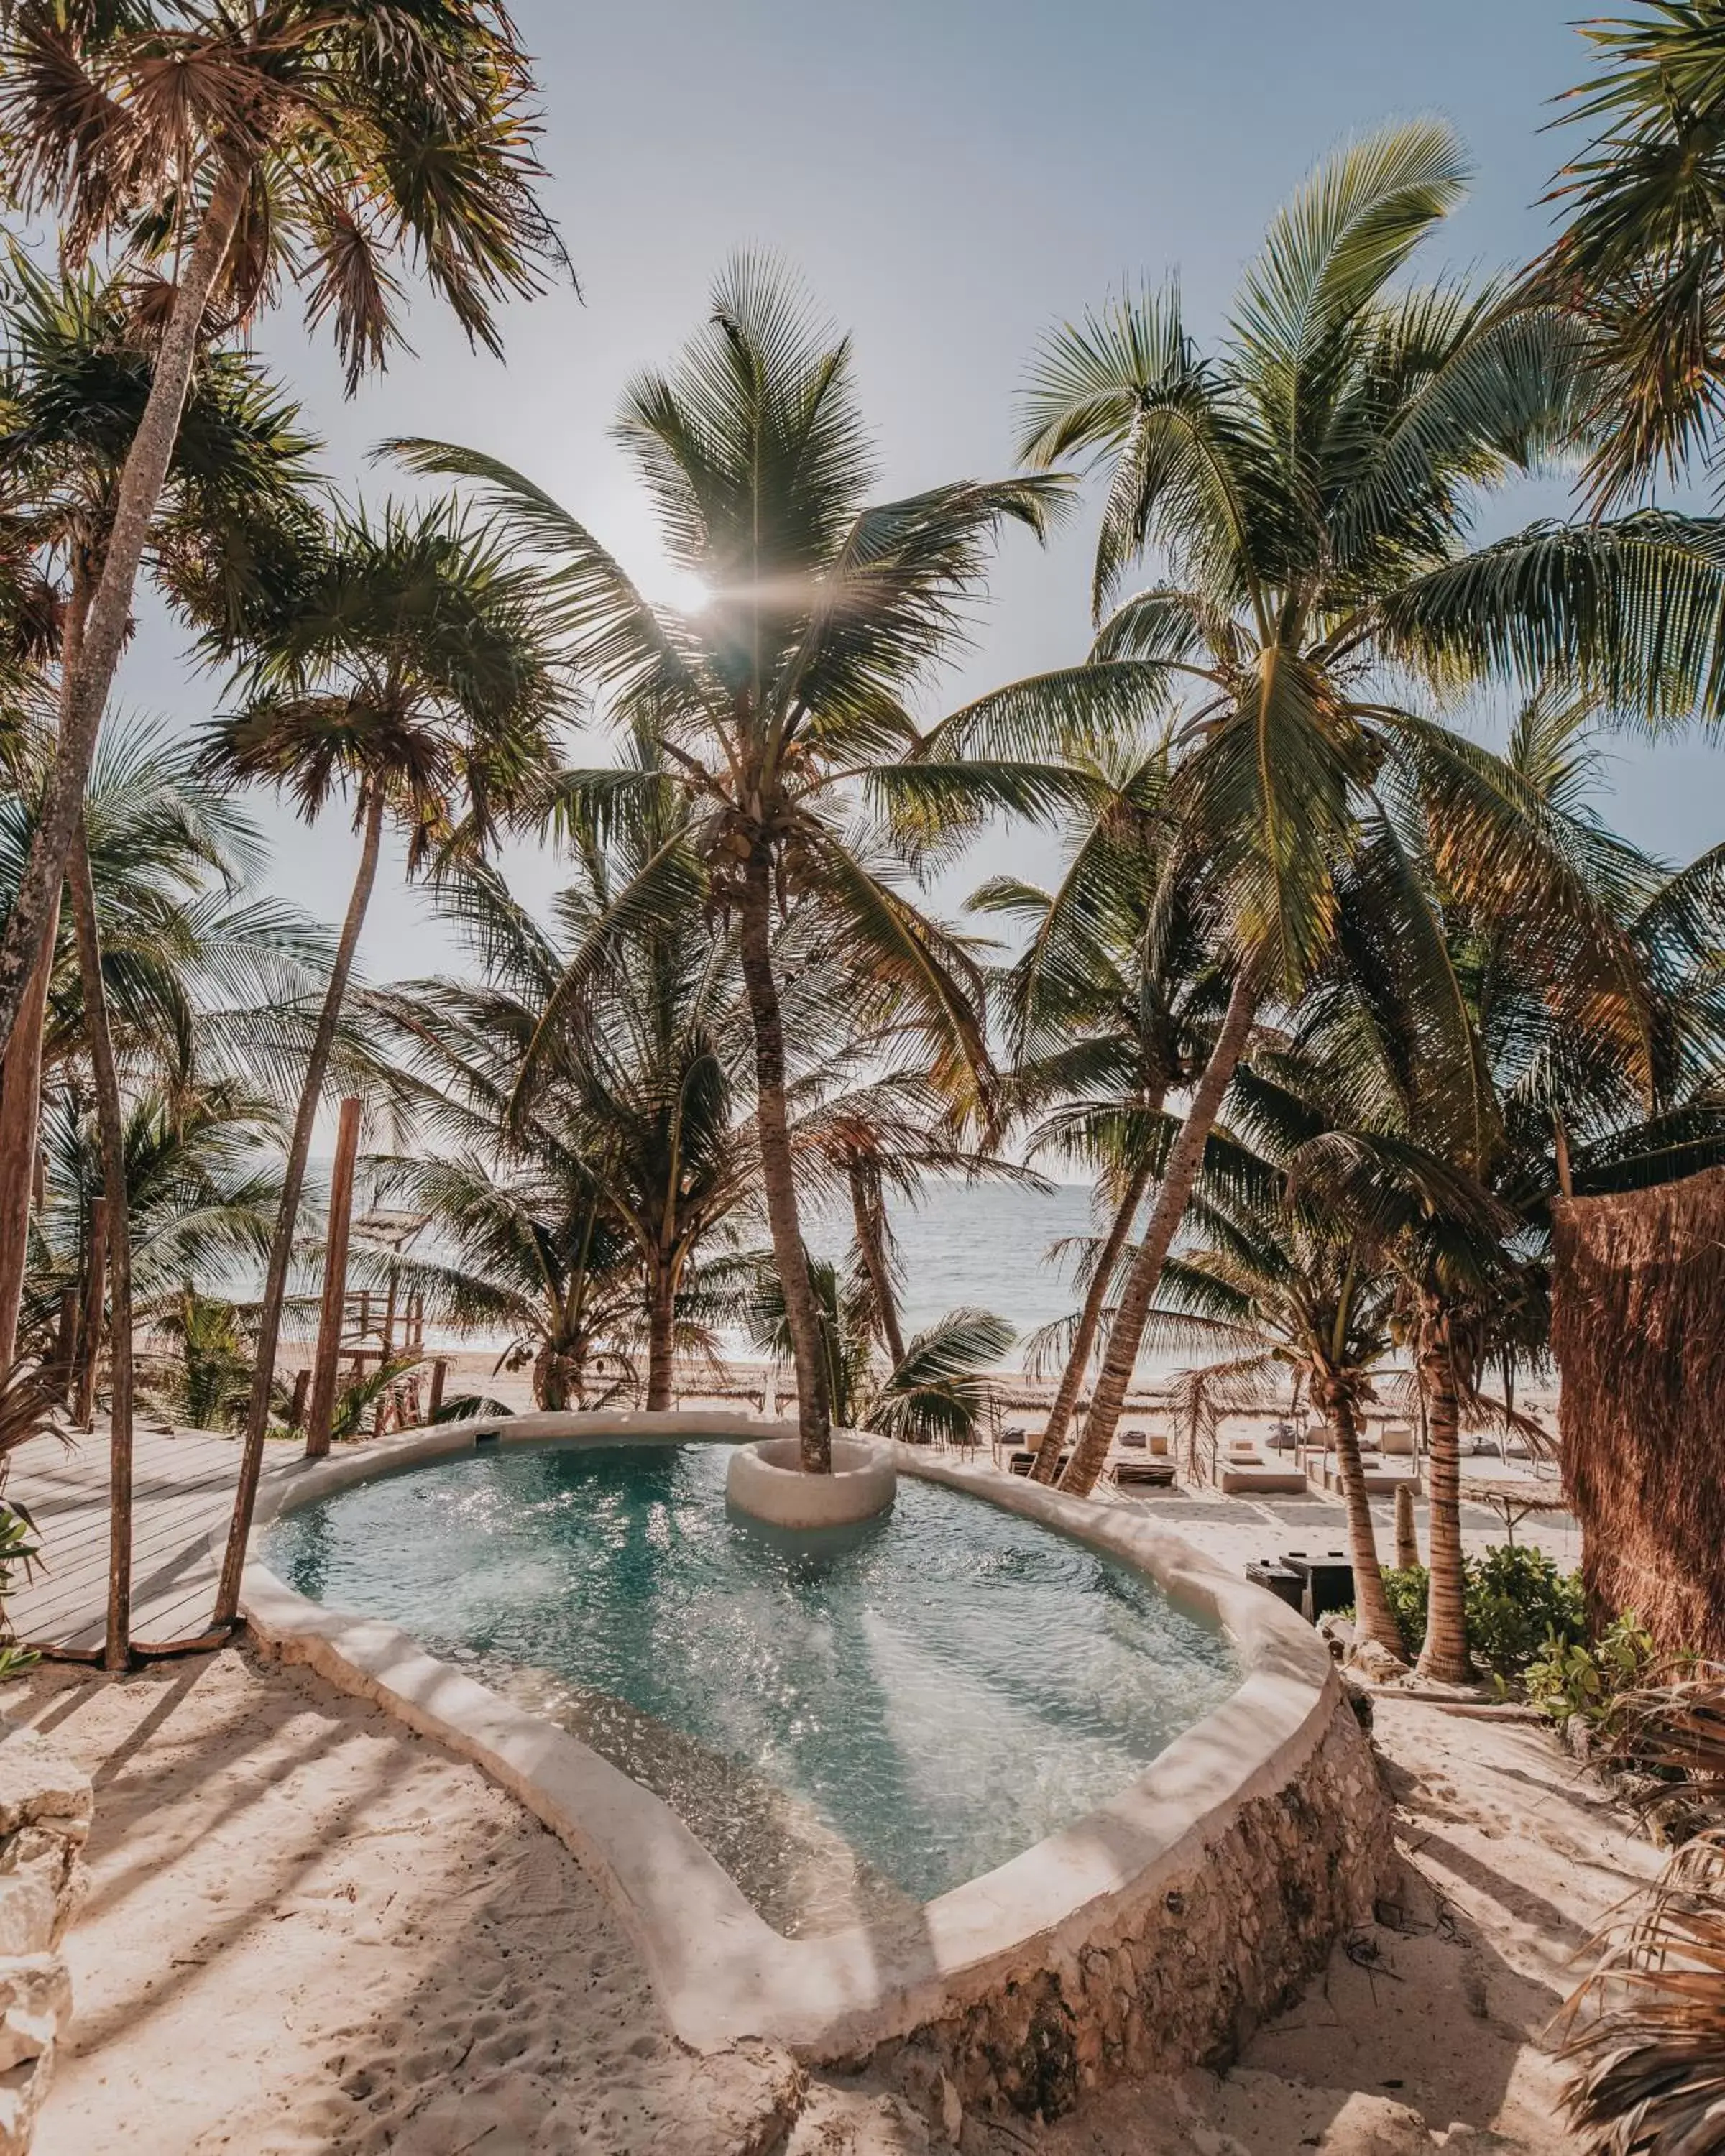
(1638, 1323)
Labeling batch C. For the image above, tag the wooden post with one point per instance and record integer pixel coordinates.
(296, 1409)
(89, 1333)
(365, 1314)
(1407, 1542)
(389, 1320)
(65, 1345)
(335, 1286)
(438, 1371)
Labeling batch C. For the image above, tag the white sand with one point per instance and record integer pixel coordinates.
(310, 1931)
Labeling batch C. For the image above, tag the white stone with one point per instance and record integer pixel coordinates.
(768, 1482)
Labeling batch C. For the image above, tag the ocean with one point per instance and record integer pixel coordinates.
(981, 1244)
(985, 1244)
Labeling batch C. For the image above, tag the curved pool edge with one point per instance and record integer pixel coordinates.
(1149, 1935)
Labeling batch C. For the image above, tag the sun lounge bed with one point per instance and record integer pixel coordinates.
(1237, 1479)
(1381, 1478)
(1156, 1474)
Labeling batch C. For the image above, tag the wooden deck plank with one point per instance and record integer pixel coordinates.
(182, 1494)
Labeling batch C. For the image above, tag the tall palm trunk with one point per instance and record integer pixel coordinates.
(1444, 1657)
(92, 673)
(1089, 1319)
(88, 1352)
(1372, 1617)
(21, 1070)
(1143, 1277)
(20, 1119)
(661, 1334)
(866, 1214)
(111, 1125)
(281, 1245)
(772, 1122)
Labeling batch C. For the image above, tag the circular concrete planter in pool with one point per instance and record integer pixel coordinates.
(766, 1482)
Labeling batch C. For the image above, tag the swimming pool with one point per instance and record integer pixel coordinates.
(922, 1698)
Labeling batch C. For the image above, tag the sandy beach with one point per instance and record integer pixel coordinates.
(310, 1931)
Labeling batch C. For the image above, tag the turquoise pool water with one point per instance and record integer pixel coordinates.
(938, 1690)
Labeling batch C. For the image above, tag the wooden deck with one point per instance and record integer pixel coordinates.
(183, 1493)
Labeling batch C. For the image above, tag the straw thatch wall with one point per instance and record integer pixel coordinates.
(1638, 1323)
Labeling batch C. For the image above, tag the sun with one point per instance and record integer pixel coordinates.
(671, 585)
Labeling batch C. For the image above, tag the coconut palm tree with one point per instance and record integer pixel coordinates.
(636, 1090)
(1585, 977)
(1110, 1007)
(404, 669)
(1285, 1288)
(936, 1391)
(1640, 258)
(77, 386)
(1312, 488)
(218, 149)
(533, 1252)
(780, 701)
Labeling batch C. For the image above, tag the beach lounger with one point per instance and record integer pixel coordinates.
(1156, 1474)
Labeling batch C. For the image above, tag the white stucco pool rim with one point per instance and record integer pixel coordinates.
(720, 1971)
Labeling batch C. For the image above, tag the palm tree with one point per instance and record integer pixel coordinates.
(1584, 975)
(1641, 257)
(936, 1391)
(1312, 488)
(75, 384)
(78, 385)
(321, 139)
(404, 669)
(533, 1252)
(1285, 1287)
(1111, 1007)
(632, 1106)
(780, 701)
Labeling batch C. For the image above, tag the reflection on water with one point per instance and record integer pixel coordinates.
(937, 1689)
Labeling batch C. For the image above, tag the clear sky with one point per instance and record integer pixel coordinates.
(950, 177)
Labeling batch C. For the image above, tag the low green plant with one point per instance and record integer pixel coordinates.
(1518, 1606)
(1588, 1678)
(1405, 1590)
(18, 1552)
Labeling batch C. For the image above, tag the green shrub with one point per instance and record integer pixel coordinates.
(1406, 1592)
(1516, 1599)
(18, 1551)
(1570, 1676)
(1517, 1604)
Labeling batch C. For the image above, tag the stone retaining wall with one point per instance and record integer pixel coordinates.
(1226, 1935)
(44, 1820)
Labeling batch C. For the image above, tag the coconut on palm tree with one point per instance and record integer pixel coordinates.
(780, 702)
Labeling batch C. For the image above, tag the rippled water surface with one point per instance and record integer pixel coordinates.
(940, 1688)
